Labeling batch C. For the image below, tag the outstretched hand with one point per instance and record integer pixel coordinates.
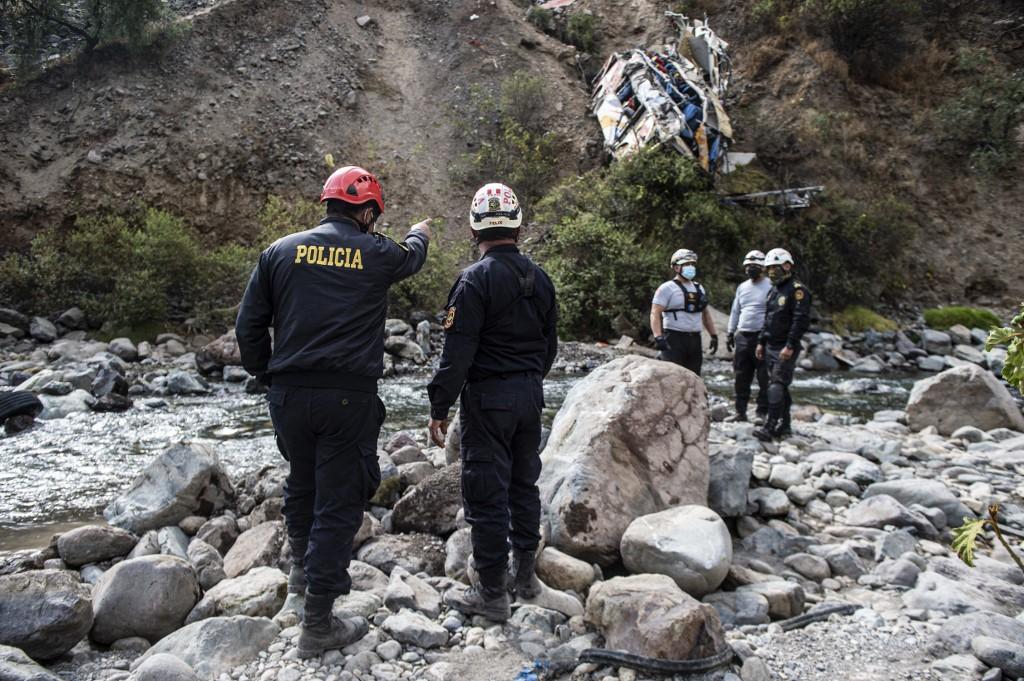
(424, 227)
(438, 431)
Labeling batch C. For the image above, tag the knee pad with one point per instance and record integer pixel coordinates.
(776, 393)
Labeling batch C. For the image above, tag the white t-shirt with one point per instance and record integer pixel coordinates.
(671, 297)
(748, 305)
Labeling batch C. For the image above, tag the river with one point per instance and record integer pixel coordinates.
(64, 472)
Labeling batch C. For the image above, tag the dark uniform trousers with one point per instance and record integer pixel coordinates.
(780, 376)
(684, 349)
(746, 365)
(329, 436)
(501, 429)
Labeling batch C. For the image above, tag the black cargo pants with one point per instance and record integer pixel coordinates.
(684, 349)
(329, 437)
(745, 366)
(780, 376)
(501, 424)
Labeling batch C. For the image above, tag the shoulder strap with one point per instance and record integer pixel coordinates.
(527, 281)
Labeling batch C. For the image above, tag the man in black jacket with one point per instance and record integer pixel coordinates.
(500, 342)
(787, 316)
(324, 292)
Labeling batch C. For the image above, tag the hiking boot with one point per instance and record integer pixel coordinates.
(296, 600)
(322, 631)
(525, 584)
(766, 433)
(738, 417)
(490, 602)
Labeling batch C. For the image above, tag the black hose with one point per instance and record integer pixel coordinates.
(704, 664)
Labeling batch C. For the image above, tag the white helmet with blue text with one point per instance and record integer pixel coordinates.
(495, 205)
(777, 256)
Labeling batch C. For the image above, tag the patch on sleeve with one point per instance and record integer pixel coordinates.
(449, 319)
(798, 294)
(781, 301)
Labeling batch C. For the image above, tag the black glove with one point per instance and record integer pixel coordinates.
(730, 341)
(713, 347)
(661, 343)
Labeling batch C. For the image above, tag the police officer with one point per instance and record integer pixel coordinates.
(324, 292)
(788, 314)
(745, 323)
(500, 342)
(677, 311)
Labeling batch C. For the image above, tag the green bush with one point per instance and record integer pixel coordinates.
(1012, 337)
(581, 31)
(971, 317)
(857, 319)
(281, 217)
(981, 121)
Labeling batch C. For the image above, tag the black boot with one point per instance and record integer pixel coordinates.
(766, 433)
(524, 576)
(322, 631)
(488, 598)
(296, 600)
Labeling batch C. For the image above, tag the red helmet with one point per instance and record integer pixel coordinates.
(354, 185)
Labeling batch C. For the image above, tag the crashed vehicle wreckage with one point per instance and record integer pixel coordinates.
(646, 97)
(662, 97)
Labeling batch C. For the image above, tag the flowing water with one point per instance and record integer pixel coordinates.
(64, 472)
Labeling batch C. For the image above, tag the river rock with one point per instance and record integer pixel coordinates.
(123, 348)
(690, 544)
(955, 634)
(553, 599)
(936, 342)
(208, 563)
(15, 665)
(412, 628)
(185, 479)
(730, 469)
(365, 577)
(881, 510)
(14, 318)
(406, 348)
(43, 330)
(163, 667)
(769, 502)
(785, 599)
(414, 552)
(217, 645)
(939, 593)
(220, 533)
(219, 353)
(397, 327)
(183, 383)
(931, 363)
(650, 615)
(457, 550)
(812, 567)
(72, 319)
(406, 590)
(57, 407)
(258, 593)
(928, 493)
(43, 612)
(739, 608)
(630, 440)
(257, 547)
(431, 506)
(969, 354)
(148, 597)
(563, 572)
(997, 652)
(962, 396)
(898, 572)
(93, 544)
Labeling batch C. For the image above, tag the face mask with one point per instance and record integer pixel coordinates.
(776, 274)
(689, 272)
(753, 272)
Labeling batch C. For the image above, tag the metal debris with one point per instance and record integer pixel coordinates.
(781, 200)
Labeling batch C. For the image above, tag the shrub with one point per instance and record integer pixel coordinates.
(857, 319)
(1012, 337)
(281, 217)
(428, 290)
(581, 31)
(971, 317)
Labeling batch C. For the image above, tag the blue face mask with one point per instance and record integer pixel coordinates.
(689, 272)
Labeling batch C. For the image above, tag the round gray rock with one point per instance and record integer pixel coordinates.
(164, 667)
(44, 612)
(93, 544)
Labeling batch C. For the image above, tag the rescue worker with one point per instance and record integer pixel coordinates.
(745, 323)
(324, 293)
(500, 342)
(679, 308)
(787, 316)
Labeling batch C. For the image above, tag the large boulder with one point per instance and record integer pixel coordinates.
(258, 593)
(963, 396)
(94, 543)
(955, 634)
(186, 479)
(15, 665)
(254, 548)
(927, 493)
(44, 612)
(432, 505)
(649, 615)
(414, 552)
(148, 597)
(219, 353)
(881, 510)
(731, 467)
(690, 544)
(217, 645)
(630, 440)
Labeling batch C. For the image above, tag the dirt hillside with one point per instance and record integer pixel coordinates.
(254, 94)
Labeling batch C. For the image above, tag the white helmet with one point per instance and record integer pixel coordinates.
(495, 205)
(683, 255)
(754, 258)
(777, 256)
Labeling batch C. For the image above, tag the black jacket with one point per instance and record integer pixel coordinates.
(495, 325)
(787, 314)
(325, 293)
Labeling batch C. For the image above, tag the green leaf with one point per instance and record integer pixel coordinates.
(965, 538)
